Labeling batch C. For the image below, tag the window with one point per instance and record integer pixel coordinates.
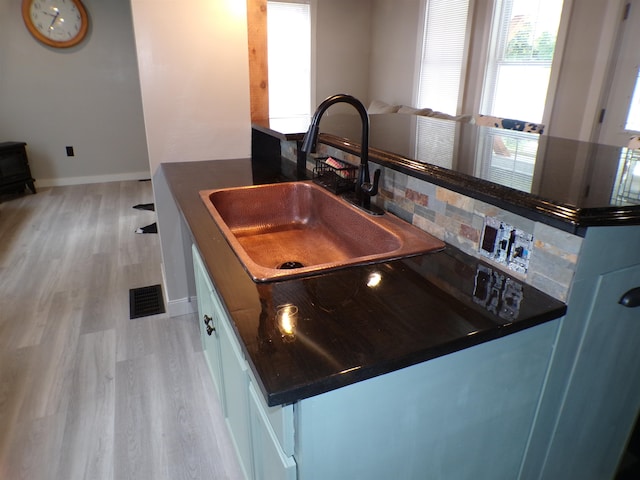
(523, 43)
(289, 58)
(626, 189)
(633, 118)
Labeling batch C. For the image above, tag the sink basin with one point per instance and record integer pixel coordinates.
(294, 229)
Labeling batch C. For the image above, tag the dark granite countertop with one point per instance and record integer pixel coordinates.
(565, 183)
(347, 331)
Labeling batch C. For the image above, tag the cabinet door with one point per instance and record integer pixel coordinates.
(270, 461)
(209, 323)
(279, 418)
(603, 397)
(236, 393)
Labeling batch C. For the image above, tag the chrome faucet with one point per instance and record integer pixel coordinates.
(364, 188)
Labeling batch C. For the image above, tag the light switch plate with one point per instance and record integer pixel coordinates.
(506, 245)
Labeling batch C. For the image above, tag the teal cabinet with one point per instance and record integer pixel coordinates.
(592, 395)
(263, 436)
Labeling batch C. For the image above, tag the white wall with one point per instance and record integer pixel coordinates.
(343, 49)
(583, 73)
(395, 42)
(194, 77)
(367, 49)
(86, 96)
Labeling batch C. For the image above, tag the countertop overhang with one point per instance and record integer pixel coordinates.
(573, 183)
(347, 331)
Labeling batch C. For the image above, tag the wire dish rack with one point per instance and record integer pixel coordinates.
(335, 175)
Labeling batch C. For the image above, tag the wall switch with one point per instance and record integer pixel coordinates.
(70, 152)
(496, 236)
(521, 246)
(506, 245)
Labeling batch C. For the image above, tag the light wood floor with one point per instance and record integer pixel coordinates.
(85, 392)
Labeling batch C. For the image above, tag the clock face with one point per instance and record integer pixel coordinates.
(58, 23)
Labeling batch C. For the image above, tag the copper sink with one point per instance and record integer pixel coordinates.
(295, 229)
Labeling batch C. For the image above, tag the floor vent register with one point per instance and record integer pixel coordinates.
(145, 301)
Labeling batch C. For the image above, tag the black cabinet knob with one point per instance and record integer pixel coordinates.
(631, 299)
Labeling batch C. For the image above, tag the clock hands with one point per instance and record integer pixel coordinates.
(55, 17)
(54, 21)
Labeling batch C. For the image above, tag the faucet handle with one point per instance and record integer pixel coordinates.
(369, 189)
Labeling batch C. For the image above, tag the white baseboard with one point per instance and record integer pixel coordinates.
(183, 306)
(64, 181)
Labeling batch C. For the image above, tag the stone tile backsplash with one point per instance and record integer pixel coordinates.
(458, 220)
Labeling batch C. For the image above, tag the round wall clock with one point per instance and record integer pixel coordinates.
(57, 23)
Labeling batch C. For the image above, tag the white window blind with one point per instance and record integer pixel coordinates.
(440, 79)
(289, 58)
(524, 35)
(443, 55)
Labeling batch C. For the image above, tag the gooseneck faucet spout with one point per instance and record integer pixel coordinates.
(364, 188)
